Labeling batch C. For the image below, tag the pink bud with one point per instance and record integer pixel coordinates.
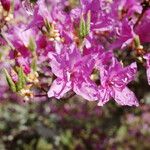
(14, 75)
(23, 62)
(6, 4)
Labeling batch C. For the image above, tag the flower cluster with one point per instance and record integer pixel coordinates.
(64, 46)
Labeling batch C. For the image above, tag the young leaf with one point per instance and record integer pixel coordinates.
(32, 45)
(82, 30)
(88, 22)
(22, 81)
(10, 81)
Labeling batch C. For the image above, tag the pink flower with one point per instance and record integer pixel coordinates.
(142, 28)
(124, 36)
(147, 57)
(93, 6)
(73, 73)
(113, 83)
(40, 14)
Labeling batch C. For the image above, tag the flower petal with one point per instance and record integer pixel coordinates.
(58, 88)
(86, 89)
(104, 96)
(125, 97)
(147, 57)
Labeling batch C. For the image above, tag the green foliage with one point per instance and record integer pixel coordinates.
(21, 81)
(32, 45)
(84, 28)
(33, 1)
(10, 81)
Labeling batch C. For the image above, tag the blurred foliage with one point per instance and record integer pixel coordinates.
(73, 124)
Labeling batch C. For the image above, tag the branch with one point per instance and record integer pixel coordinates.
(6, 39)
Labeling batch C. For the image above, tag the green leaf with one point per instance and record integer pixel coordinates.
(122, 133)
(21, 82)
(34, 62)
(32, 45)
(88, 23)
(12, 6)
(23, 77)
(48, 26)
(137, 41)
(10, 81)
(33, 1)
(85, 25)
(82, 30)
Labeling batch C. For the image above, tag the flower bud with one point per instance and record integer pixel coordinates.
(14, 75)
(23, 62)
(6, 4)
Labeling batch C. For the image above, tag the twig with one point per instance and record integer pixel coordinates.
(6, 39)
(146, 6)
(41, 95)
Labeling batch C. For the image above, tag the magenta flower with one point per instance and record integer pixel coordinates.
(147, 57)
(125, 35)
(113, 84)
(126, 8)
(20, 38)
(142, 29)
(40, 15)
(77, 45)
(93, 6)
(73, 73)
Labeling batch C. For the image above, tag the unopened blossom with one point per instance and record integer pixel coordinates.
(14, 75)
(6, 4)
(23, 62)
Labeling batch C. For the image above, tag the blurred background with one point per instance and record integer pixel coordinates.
(74, 124)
